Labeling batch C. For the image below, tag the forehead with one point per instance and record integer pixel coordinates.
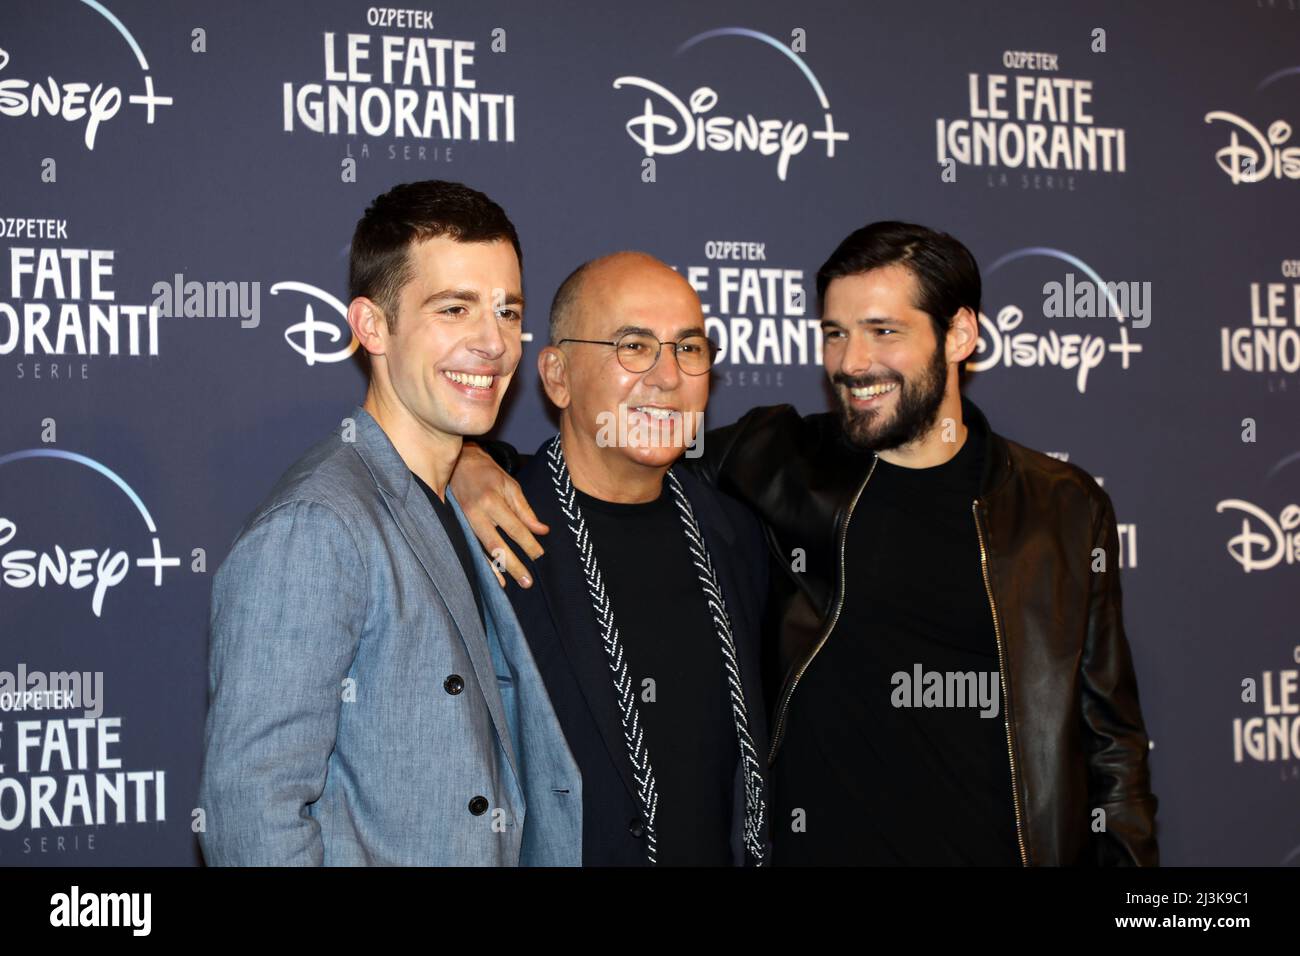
(444, 263)
(892, 288)
(651, 298)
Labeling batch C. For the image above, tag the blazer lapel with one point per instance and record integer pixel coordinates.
(559, 574)
(720, 538)
(432, 548)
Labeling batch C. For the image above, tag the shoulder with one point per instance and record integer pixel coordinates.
(329, 487)
(737, 521)
(774, 433)
(784, 420)
(1062, 482)
(765, 416)
(535, 470)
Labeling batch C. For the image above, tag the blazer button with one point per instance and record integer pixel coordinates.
(478, 806)
(636, 828)
(454, 684)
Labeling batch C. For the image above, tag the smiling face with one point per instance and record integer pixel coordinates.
(456, 341)
(662, 407)
(889, 370)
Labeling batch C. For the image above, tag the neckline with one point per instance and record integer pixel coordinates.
(959, 464)
(628, 509)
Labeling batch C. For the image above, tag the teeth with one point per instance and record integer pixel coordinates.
(871, 391)
(660, 414)
(477, 381)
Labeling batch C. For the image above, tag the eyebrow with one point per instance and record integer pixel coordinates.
(871, 320)
(470, 295)
(681, 333)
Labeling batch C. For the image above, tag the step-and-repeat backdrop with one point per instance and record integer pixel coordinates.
(179, 183)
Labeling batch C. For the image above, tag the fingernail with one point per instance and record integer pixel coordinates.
(526, 581)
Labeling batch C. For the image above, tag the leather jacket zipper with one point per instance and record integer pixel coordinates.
(778, 728)
(1002, 676)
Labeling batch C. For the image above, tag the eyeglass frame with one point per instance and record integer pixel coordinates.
(713, 349)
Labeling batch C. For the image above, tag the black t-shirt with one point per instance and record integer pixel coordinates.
(458, 543)
(668, 636)
(880, 783)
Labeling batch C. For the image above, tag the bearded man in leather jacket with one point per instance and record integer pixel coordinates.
(948, 674)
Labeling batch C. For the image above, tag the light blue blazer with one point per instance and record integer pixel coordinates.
(358, 712)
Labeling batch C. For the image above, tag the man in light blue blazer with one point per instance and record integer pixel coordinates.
(373, 700)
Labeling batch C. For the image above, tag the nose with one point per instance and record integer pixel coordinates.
(487, 340)
(859, 353)
(666, 374)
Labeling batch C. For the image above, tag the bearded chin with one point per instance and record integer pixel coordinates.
(917, 410)
(859, 426)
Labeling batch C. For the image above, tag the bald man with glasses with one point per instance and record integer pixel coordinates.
(645, 610)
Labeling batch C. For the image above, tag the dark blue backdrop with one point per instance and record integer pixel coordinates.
(140, 142)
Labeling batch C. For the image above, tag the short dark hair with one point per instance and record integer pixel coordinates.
(945, 270)
(379, 264)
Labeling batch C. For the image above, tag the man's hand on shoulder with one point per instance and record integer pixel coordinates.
(494, 503)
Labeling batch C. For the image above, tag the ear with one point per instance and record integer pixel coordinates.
(963, 336)
(368, 325)
(553, 370)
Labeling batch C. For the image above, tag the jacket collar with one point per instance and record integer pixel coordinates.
(997, 454)
(386, 465)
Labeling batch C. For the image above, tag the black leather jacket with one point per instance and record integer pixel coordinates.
(1075, 736)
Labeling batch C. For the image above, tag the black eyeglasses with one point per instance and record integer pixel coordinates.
(639, 351)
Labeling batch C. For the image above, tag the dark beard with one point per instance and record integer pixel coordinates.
(917, 408)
